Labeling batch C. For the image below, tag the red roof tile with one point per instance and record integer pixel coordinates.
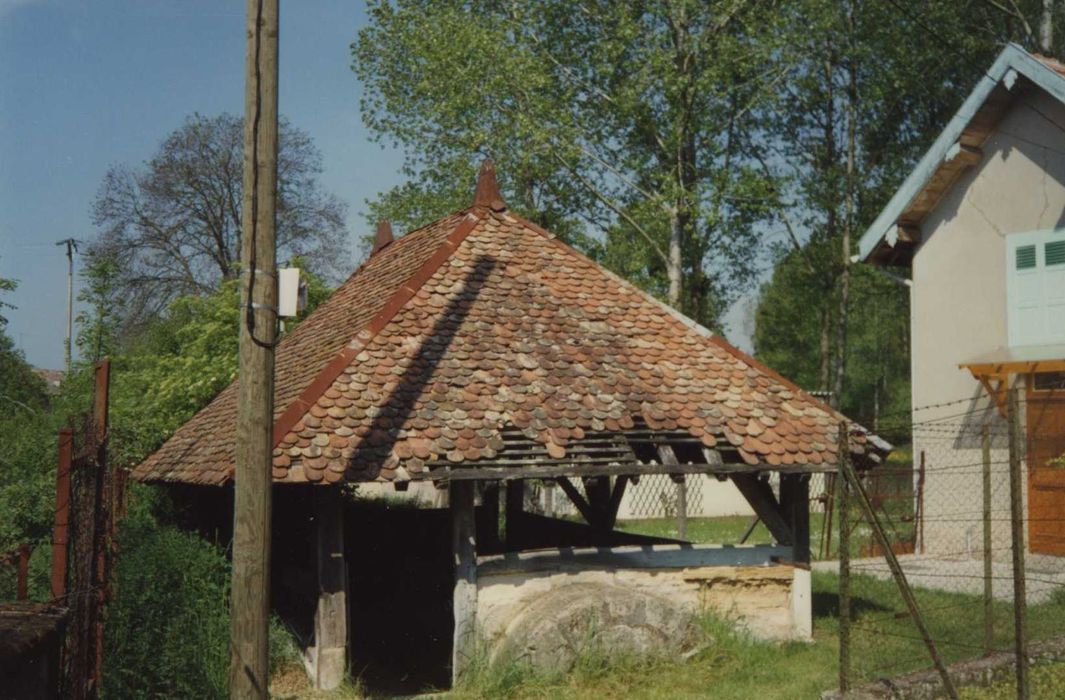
(481, 324)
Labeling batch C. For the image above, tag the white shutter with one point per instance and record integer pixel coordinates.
(1053, 271)
(1035, 288)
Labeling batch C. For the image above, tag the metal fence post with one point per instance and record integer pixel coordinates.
(989, 624)
(844, 564)
(862, 499)
(62, 514)
(1020, 622)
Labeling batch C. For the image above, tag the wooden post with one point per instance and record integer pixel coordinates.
(826, 520)
(22, 585)
(61, 530)
(490, 516)
(249, 665)
(843, 455)
(331, 618)
(989, 601)
(1020, 614)
(795, 501)
(464, 549)
(549, 498)
(515, 508)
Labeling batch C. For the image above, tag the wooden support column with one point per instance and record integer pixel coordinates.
(795, 502)
(464, 551)
(329, 655)
(668, 458)
(515, 510)
(598, 492)
(488, 517)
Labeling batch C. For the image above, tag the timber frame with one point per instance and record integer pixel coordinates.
(604, 464)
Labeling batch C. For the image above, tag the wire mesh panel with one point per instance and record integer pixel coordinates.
(952, 520)
(657, 496)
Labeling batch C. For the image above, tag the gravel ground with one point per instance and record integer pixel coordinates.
(1045, 574)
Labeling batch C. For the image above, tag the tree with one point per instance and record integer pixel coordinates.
(21, 390)
(629, 121)
(856, 112)
(173, 226)
(789, 337)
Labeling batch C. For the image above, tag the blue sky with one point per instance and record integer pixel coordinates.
(89, 83)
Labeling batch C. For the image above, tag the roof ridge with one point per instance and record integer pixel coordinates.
(694, 325)
(332, 369)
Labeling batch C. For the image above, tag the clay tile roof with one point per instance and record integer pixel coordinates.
(481, 329)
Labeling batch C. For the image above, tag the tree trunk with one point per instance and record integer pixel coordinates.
(825, 349)
(1046, 28)
(673, 270)
(848, 222)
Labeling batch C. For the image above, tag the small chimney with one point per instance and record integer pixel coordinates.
(487, 192)
(383, 236)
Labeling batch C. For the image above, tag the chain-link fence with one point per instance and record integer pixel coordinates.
(955, 586)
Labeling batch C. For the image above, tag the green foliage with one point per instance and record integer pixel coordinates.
(790, 320)
(168, 627)
(173, 226)
(625, 128)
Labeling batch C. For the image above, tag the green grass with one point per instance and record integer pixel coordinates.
(724, 530)
(729, 530)
(1047, 682)
(737, 667)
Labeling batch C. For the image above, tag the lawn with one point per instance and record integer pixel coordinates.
(734, 667)
(729, 529)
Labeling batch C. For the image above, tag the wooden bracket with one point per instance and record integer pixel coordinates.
(998, 392)
(583, 507)
(759, 494)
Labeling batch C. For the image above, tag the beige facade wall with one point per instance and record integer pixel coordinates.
(959, 313)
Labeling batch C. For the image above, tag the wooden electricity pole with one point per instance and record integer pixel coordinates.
(250, 603)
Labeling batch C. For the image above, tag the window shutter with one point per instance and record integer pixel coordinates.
(1035, 288)
(1025, 259)
(1055, 253)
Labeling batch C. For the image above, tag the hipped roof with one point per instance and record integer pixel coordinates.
(481, 328)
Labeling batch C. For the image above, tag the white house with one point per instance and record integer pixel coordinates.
(980, 224)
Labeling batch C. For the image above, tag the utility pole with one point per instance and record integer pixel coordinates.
(72, 247)
(249, 666)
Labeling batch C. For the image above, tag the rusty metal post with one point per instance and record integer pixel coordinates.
(22, 589)
(1020, 619)
(844, 564)
(101, 541)
(61, 529)
(989, 607)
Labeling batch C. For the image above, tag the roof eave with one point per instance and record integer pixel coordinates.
(879, 239)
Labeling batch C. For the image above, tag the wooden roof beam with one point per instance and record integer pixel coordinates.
(963, 155)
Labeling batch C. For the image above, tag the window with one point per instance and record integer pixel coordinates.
(1035, 288)
(1048, 381)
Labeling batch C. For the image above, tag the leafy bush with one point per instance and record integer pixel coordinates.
(167, 632)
